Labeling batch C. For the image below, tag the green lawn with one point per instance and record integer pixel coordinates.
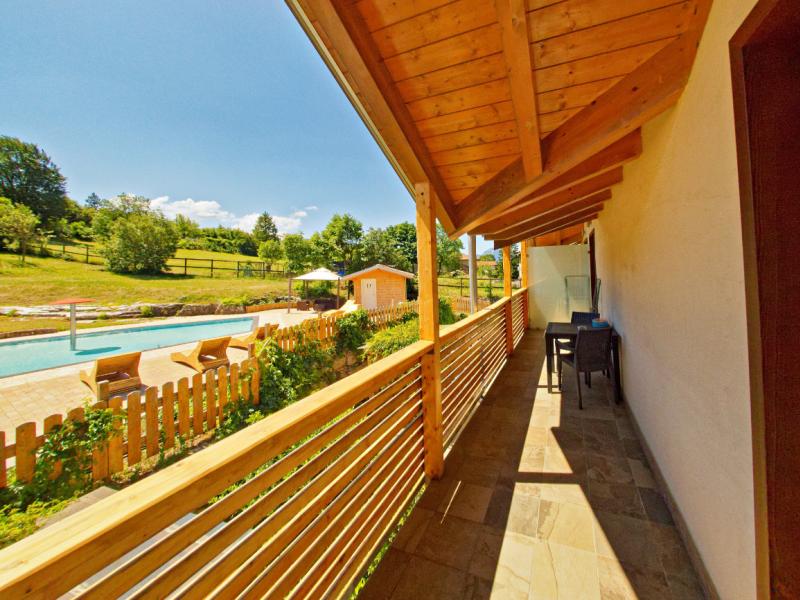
(43, 280)
(25, 323)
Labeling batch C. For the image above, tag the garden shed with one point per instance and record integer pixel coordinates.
(379, 286)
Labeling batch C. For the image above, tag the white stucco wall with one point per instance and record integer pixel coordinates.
(669, 253)
(548, 265)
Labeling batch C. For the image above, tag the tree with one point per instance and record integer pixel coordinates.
(377, 247)
(140, 243)
(19, 224)
(343, 234)
(30, 178)
(265, 229)
(186, 228)
(110, 211)
(448, 252)
(403, 236)
(296, 251)
(270, 251)
(93, 201)
(515, 255)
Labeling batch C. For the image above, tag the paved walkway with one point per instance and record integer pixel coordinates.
(540, 501)
(34, 396)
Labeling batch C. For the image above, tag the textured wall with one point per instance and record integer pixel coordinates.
(669, 253)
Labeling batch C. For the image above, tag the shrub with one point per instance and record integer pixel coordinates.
(17, 523)
(352, 331)
(446, 314)
(392, 339)
(140, 243)
(146, 311)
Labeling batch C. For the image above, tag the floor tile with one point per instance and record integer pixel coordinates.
(563, 573)
(449, 540)
(566, 524)
(468, 501)
(429, 579)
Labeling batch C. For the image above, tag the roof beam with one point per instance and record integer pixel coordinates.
(512, 16)
(531, 210)
(641, 95)
(554, 215)
(341, 38)
(575, 219)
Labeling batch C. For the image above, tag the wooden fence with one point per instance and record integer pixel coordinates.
(462, 305)
(320, 484)
(186, 408)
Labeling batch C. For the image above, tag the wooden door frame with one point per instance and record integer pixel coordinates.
(756, 28)
(593, 269)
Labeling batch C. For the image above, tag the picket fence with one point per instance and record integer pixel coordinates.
(155, 420)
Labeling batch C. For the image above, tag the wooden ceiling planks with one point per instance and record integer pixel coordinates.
(458, 69)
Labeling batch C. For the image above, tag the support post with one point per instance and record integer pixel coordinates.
(525, 280)
(473, 274)
(429, 331)
(73, 328)
(507, 294)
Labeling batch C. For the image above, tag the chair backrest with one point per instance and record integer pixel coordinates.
(121, 363)
(215, 347)
(583, 318)
(593, 349)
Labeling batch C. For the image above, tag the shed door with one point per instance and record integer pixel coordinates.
(369, 296)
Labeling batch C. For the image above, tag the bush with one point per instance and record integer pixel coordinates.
(146, 311)
(140, 243)
(17, 523)
(446, 314)
(391, 340)
(352, 331)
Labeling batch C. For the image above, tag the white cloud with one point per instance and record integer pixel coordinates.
(210, 212)
(312, 207)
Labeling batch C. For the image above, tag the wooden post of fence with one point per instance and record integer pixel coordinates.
(151, 420)
(507, 293)
(524, 276)
(115, 442)
(134, 429)
(429, 330)
(197, 403)
(49, 424)
(222, 392)
(185, 266)
(26, 451)
(168, 413)
(183, 407)
(211, 399)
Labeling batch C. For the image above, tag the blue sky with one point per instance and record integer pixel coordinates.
(219, 110)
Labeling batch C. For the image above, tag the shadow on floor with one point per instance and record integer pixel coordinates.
(540, 500)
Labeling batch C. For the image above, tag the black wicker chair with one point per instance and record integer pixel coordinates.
(592, 352)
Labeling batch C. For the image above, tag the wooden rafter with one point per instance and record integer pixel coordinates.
(575, 219)
(512, 17)
(530, 210)
(641, 95)
(564, 211)
(339, 35)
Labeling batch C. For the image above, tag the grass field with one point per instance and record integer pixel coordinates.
(43, 280)
(25, 323)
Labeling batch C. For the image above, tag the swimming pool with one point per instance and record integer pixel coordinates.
(24, 356)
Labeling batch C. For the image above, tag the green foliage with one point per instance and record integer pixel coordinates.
(270, 251)
(220, 239)
(122, 207)
(140, 243)
(446, 314)
(403, 236)
(186, 228)
(17, 523)
(287, 376)
(265, 229)
(18, 224)
(146, 311)
(352, 331)
(343, 235)
(448, 252)
(378, 247)
(64, 461)
(392, 339)
(30, 178)
(296, 250)
(80, 231)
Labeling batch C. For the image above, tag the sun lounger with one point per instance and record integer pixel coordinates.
(257, 335)
(208, 354)
(121, 372)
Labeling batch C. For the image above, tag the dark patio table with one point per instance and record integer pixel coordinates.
(564, 331)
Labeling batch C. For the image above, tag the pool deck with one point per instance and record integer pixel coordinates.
(37, 395)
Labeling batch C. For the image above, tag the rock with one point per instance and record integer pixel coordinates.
(190, 310)
(166, 310)
(229, 309)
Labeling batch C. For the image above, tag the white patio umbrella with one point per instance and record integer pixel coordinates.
(321, 274)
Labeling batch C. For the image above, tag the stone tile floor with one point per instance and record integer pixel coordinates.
(542, 501)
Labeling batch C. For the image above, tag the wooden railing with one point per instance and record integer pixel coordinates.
(296, 504)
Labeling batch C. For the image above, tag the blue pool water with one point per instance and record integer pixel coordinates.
(25, 356)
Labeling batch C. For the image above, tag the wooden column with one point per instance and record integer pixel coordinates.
(473, 274)
(507, 294)
(429, 330)
(525, 281)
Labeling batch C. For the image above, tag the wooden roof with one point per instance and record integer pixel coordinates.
(520, 113)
